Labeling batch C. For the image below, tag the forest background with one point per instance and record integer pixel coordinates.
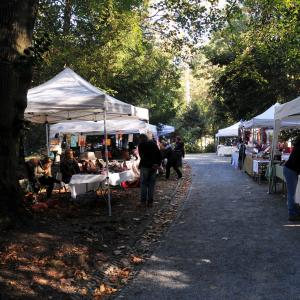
(196, 65)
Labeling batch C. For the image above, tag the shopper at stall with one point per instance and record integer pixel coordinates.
(68, 166)
(242, 153)
(150, 161)
(291, 172)
(179, 151)
(172, 161)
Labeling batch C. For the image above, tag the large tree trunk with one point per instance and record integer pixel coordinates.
(16, 27)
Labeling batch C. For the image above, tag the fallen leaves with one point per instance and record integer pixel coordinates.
(136, 260)
(102, 291)
(83, 252)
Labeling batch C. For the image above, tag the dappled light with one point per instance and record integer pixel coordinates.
(78, 250)
(152, 145)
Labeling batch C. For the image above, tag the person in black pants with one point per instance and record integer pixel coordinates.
(173, 157)
(149, 164)
(291, 172)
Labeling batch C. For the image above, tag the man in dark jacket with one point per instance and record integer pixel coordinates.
(149, 164)
(172, 161)
(291, 172)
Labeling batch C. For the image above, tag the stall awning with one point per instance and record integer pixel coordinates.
(68, 96)
(113, 126)
(165, 129)
(264, 120)
(289, 113)
(232, 130)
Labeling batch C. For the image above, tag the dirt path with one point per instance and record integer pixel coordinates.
(76, 252)
(231, 241)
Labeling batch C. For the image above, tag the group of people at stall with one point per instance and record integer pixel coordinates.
(153, 158)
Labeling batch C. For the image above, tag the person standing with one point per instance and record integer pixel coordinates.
(242, 153)
(68, 166)
(291, 172)
(172, 161)
(179, 151)
(150, 161)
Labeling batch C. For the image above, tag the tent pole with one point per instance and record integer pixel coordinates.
(106, 160)
(47, 139)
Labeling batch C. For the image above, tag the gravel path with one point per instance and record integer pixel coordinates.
(231, 241)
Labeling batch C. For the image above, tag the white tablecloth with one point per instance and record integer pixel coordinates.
(255, 164)
(235, 160)
(82, 183)
(117, 178)
(285, 156)
(225, 150)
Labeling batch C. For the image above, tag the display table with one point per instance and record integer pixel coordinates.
(117, 178)
(248, 165)
(83, 183)
(279, 174)
(235, 160)
(285, 156)
(225, 150)
(259, 168)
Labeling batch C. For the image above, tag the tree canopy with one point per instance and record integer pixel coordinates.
(257, 54)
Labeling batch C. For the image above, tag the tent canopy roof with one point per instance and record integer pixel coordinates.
(124, 126)
(264, 120)
(165, 129)
(289, 113)
(232, 130)
(67, 96)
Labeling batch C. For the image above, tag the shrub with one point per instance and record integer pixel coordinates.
(192, 147)
(210, 148)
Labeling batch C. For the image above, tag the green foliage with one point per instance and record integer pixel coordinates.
(210, 148)
(104, 42)
(258, 59)
(192, 147)
(191, 126)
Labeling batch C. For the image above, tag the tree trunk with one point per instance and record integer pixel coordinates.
(16, 27)
(67, 17)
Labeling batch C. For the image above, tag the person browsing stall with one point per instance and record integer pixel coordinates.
(150, 161)
(291, 172)
(68, 166)
(172, 161)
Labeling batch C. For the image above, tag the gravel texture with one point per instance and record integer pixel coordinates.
(231, 240)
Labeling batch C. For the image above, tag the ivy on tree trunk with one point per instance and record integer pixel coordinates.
(16, 27)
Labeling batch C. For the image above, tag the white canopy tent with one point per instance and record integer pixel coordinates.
(232, 130)
(68, 96)
(125, 126)
(165, 129)
(264, 120)
(287, 115)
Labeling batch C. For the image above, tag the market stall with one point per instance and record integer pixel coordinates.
(231, 131)
(67, 97)
(287, 115)
(258, 148)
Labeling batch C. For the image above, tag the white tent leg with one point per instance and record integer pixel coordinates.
(106, 160)
(47, 139)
